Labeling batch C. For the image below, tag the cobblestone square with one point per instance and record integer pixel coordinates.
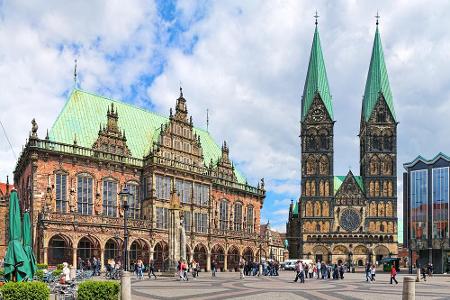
(229, 286)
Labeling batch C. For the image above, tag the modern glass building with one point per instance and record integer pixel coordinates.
(426, 211)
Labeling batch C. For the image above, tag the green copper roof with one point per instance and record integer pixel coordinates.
(84, 112)
(316, 79)
(295, 209)
(338, 180)
(377, 81)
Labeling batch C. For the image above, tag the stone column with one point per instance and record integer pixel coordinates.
(417, 273)
(151, 255)
(45, 255)
(409, 288)
(102, 259)
(125, 286)
(174, 237)
(208, 262)
(74, 257)
(225, 262)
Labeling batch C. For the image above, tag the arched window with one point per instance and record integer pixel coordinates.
(323, 140)
(223, 215)
(135, 201)
(381, 115)
(84, 194)
(61, 192)
(238, 216)
(250, 219)
(110, 198)
(323, 165)
(310, 165)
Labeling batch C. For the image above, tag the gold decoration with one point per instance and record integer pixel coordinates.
(325, 209)
(317, 209)
(309, 209)
(389, 209)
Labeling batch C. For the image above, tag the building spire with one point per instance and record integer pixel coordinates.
(377, 17)
(377, 83)
(316, 16)
(75, 74)
(316, 79)
(207, 120)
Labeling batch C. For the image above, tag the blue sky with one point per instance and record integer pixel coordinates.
(243, 61)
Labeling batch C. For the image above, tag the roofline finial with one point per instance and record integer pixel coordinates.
(75, 73)
(377, 17)
(316, 16)
(181, 90)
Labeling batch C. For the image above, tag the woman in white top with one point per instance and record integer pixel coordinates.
(66, 271)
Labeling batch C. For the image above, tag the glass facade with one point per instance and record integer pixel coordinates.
(201, 222)
(440, 203)
(184, 190)
(238, 217)
(223, 215)
(162, 217)
(162, 187)
(201, 194)
(419, 204)
(187, 220)
(250, 219)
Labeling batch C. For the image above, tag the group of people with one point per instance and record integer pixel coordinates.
(93, 264)
(319, 270)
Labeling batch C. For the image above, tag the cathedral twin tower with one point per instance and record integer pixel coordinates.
(346, 218)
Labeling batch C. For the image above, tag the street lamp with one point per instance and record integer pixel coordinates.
(125, 196)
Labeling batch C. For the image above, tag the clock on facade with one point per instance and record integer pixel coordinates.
(350, 219)
(317, 114)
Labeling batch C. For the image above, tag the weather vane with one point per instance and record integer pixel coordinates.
(316, 16)
(377, 17)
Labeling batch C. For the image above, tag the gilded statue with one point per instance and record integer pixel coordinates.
(98, 204)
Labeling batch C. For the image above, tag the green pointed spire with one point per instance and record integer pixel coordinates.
(377, 81)
(316, 79)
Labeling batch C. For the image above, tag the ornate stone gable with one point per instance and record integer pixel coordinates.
(349, 193)
(177, 140)
(110, 138)
(317, 113)
(224, 168)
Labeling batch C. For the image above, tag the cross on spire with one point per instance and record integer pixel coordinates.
(316, 16)
(377, 17)
(75, 73)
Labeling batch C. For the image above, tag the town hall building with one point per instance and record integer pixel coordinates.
(346, 218)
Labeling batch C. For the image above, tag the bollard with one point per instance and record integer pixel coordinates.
(125, 286)
(409, 288)
(260, 270)
(417, 274)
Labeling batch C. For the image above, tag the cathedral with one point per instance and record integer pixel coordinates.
(346, 219)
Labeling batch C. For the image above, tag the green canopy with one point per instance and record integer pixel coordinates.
(17, 265)
(27, 243)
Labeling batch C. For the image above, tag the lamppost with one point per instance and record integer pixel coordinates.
(125, 196)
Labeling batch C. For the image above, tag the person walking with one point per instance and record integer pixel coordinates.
(393, 274)
(424, 273)
(213, 268)
(241, 268)
(372, 273)
(368, 276)
(151, 269)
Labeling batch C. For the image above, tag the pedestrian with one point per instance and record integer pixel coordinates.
(372, 273)
(315, 271)
(393, 274)
(151, 269)
(430, 269)
(368, 276)
(341, 271)
(319, 269)
(241, 268)
(424, 273)
(309, 270)
(213, 268)
(138, 268)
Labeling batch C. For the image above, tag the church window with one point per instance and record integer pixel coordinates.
(309, 209)
(238, 217)
(110, 198)
(162, 217)
(84, 194)
(250, 219)
(61, 192)
(386, 166)
(318, 227)
(134, 202)
(327, 188)
(390, 192)
(376, 141)
(310, 166)
(178, 129)
(377, 189)
(162, 187)
(317, 209)
(374, 166)
(223, 214)
(323, 165)
(381, 115)
(201, 222)
(308, 188)
(321, 188)
(325, 209)
(313, 188)
(381, 209)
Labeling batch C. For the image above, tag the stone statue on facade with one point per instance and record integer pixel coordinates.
(34, 128)
(98, 204)
(72, 201)
(48, 200)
